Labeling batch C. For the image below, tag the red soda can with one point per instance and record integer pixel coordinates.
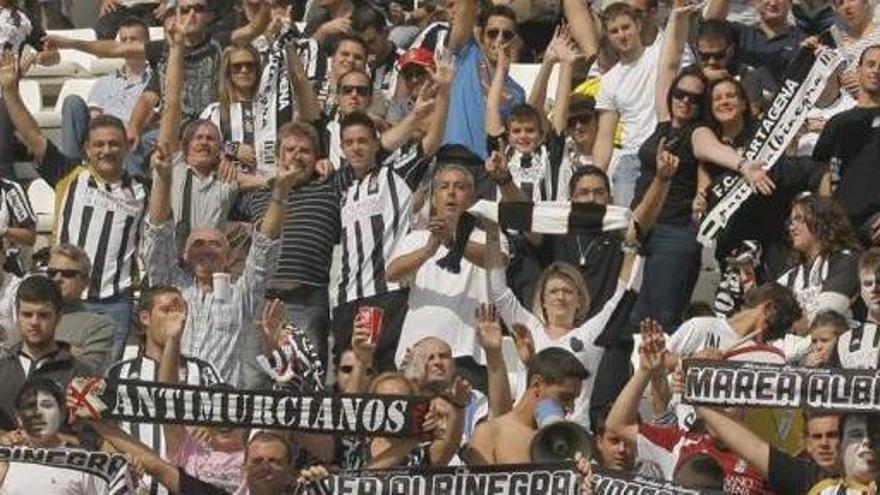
(373, 316)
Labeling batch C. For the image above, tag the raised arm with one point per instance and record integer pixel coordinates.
(363, 350)
(404, 130)
(736, 437)
(285, 180)
(169, 124)
(244, 35)
(494, 122)
(463, 21)
(306, 100)
(583, 26)
(670, 56)
(716, 9)
(21, 118)
(567, 55)
(489, 337)
(160, 195)
(623, 419)
(172, 324)
(444, 73)
(167, 474)
(604, 145)
(406, 265)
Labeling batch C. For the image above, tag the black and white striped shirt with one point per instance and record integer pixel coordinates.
(859, 347)
(376, 214)
(21, 215)
(311, 229)
(102, 218)
(192, 372)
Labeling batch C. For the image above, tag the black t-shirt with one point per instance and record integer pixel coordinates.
(598, 258)
(683, 186)
(195, 486)
(201, 70)
(789, 475)
(755, 49)
(850, 142)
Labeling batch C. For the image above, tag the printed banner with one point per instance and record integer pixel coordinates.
(151, 402)
(545, 479)
(804, 81)
(618, 483)
(728, 383)
(112, 468)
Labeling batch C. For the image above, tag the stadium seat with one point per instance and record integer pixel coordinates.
(52, 118)
(31, 95)
(157, 33)
(42, 199)
(525, 75)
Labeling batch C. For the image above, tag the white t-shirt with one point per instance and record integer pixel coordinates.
(579, 341)
(703, 332)
(8, 289)
(441, 303)
(628, 89)
(24, 479)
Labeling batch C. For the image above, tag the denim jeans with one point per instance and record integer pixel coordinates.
(74, 125)
(117, 308)
(308, 309)
(136, 162)
(671, 270)
(624, 174)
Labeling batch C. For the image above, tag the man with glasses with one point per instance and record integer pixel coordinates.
(373, 29)
(350, 54)
(475, 61)
(90, 334)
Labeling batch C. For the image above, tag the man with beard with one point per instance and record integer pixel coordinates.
(859, 450)
(860, 347)
(99, 207)
(40, 414)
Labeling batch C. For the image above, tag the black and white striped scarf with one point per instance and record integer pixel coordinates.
(546, 217)
(275, 100)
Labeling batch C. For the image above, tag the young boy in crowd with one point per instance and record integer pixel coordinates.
(858, 348)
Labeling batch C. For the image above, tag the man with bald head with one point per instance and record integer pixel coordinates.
(219, 308)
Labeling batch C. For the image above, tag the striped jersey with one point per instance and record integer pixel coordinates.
(192, 372)
(859, 347)
(376, 212)
(100, 217)
(20, 214)
(311, 229)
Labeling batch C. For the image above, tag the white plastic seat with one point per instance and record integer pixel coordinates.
(31, 95)
(73, 62)
(42, 199)
(52, 118)
(157, 33)
(525, 75)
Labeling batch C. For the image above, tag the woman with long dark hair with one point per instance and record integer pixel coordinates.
(825, 248)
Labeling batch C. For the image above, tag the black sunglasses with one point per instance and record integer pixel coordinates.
(66, 273)
(197, 8)
(579, 119)
(680, 94)
(241, 66)
(360, 90)
(719, 55)
(506, 34)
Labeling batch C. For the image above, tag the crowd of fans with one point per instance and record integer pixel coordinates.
(280, 167)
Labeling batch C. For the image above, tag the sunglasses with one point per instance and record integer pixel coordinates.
(680, 94)
(506, 34)
(66, 273)
(579, 120)
(352, 89)
(198, 8)
(719, 55)
(242, 66)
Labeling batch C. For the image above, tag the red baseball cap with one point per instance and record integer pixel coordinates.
(418, 56)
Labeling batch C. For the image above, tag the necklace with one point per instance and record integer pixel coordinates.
(584, 252)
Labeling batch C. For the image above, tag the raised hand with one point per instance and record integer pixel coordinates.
(488, 328)
(226, 171)
(444, 69)
(425, 102)
(8, 70)
(584, 471)
(340, 25)
(361, 345)
(441, 232)
(667, 162)
(161, 162)
(561, 47)
(652, 350)
(314, 473)
(522, 339)
(107, 7)
(496, 167)
(273, 324)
